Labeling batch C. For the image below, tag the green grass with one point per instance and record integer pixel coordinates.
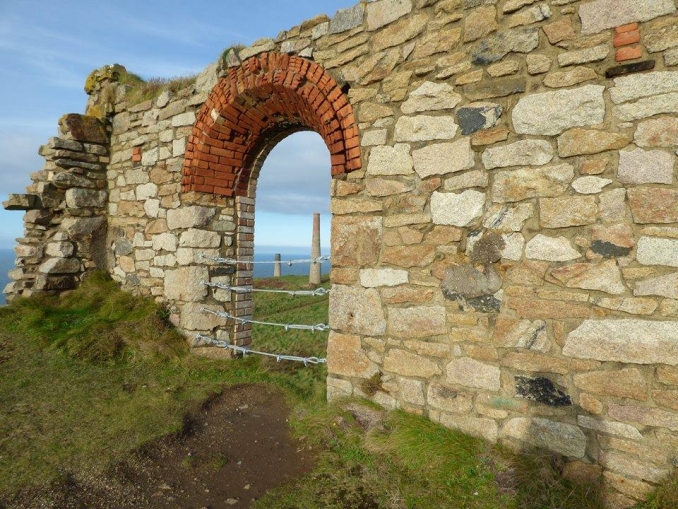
(89, 378)
(143, 90)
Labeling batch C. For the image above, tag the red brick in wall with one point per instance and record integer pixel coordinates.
(267, 94)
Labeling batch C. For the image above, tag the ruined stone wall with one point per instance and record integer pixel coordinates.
(504, 237)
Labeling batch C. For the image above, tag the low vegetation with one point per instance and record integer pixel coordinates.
(89, 378)
(141, 90)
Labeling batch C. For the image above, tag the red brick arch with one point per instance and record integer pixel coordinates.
(269, 94)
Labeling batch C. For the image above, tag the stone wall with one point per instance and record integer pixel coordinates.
(504, 238)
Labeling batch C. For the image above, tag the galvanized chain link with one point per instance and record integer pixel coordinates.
(321, 327)
(206, 340)
(318, 292)
(231, 261)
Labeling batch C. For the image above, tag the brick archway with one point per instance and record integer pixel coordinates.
(268, 95)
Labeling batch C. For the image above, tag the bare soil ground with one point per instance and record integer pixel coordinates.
(237, 447)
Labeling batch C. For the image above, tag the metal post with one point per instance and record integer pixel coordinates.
(276, 266)
(314, 275)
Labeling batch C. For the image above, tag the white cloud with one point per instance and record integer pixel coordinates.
(295, 178)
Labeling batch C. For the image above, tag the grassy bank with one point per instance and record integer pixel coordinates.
(88, 379)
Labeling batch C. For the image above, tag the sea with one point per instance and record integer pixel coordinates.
(260, 269)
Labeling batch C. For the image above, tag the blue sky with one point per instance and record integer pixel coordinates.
(47, 49)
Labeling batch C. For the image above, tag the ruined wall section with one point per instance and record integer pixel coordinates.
(64, 224)
(158, 236)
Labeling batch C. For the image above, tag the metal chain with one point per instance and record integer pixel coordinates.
(321, 327)
(232, 261)
(318, 292)
(205, 340)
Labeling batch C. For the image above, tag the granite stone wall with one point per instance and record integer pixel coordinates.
(504, 237)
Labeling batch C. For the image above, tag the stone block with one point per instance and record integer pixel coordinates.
(471, 373)
(189, 217)
(477, 116)
(448, 399)
(590, 185)
(466, 281)
(373, 278)
(164, 241)
(356, 241)
(405, 363)
(566, 211)
(430, 96)
(443, 158)
(583, 56)
(356, 310)
(653, 204)
(610, 427)
(185, 284)
(601, 15)
(196, 238)
(631, 466)
(514, 333)
(645, 167)
(21, 202)
(551, 113)
(416, 321)
(637, 86)
(412, 391)
(562, 438)
(496, 88)
(399, 32)
(60, 249)
(385, 160)
(60, 266)
(495, 47)
(383, 12)
(580, 141)
(561, 30)
(554, 249)
(480, 22)
(657, 251)
(520, 153)
(77, 198)
(345, 357)
(521, 184)
(484, 428)
(657, 132)
(83, 128)
(662, 286)
(533, 362)
(619, 383)
(183, 119)
(346, 19)
(538, 64)
(457, 209)
(424, 128)
(193, 318)
(647, 107)
(630, 340)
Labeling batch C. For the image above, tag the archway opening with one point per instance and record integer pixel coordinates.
(292, 185)
(251, 109)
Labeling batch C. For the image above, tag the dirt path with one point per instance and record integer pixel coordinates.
(233, 451)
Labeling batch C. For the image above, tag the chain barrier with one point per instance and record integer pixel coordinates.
(205, 340)
(321, 327)
(231, 261)
(318, 292)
